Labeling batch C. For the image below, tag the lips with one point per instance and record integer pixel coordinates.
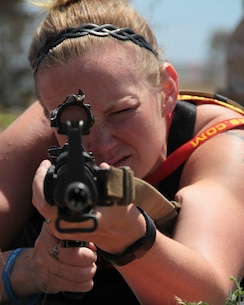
(124, 161)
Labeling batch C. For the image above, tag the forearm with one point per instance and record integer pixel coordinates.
(14, 276)
(4, 257)
(170, 269)
(27, 139)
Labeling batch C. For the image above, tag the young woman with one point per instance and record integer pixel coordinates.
(105, 49)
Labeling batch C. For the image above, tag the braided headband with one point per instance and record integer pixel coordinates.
(95, 30)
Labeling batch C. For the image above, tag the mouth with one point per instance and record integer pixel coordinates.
(125, 161)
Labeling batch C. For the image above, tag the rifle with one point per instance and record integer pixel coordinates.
(75, 184)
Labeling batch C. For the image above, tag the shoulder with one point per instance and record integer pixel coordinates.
(221, 152)
(211, 108)
(211, 184)
(221, 155)
(29, 134)
(208, 114)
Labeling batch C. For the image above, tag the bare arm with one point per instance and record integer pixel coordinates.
(208, 247)
(36, 271)
(23, 145)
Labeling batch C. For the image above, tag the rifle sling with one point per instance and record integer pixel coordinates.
(124, 188)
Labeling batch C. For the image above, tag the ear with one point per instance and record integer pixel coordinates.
(170, 87)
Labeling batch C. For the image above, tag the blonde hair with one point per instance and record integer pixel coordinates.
(63, 14)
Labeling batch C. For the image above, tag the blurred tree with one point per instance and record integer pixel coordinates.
(215, 68)
(16, 84)
(235, 64)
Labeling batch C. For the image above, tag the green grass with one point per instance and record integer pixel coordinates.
(235, 298)
(6, 118)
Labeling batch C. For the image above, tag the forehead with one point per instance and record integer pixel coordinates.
(112, 60)
(104, 69)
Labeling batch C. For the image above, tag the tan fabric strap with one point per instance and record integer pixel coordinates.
(124, 188)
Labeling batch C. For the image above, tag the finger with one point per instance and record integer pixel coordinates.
(104, 165)
(69, 276)
(73, 274)
(52, 275)
(75, 281)
(49, 212)
(81, 256)
(73, 256)
(42, 170)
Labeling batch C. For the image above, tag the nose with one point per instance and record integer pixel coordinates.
(100, 140)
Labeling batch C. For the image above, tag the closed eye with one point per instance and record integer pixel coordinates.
(123, 110)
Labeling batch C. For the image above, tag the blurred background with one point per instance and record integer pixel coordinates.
(204, 40)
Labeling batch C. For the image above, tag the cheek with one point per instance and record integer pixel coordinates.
(130, 132)
(150, 143)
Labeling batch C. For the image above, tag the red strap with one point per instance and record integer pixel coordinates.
(176, 158)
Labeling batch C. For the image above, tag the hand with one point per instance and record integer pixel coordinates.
(52, 268)
(38, 199)
(116, 229)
